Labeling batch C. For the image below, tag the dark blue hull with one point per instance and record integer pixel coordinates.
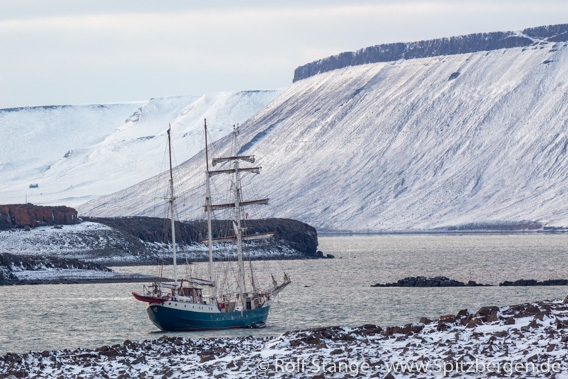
(169, 319)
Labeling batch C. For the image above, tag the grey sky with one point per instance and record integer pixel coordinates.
(77, 52)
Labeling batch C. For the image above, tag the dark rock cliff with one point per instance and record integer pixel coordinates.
(431, 48)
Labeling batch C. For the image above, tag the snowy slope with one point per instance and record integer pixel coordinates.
(35, 137)
(76, 153)
(406, 145)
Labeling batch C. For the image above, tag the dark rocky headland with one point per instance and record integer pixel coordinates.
(44, 244)
(38, 231)
(293, 239)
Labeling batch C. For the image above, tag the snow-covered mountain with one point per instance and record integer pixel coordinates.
(76, 153)
(424, 143)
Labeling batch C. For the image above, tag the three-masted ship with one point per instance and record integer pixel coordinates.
(198, 303)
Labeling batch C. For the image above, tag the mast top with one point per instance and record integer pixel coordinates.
(170, 152)
(206, 148)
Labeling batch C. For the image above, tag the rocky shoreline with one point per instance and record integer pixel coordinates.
(118, 278)
(23, 270)
(521, 340)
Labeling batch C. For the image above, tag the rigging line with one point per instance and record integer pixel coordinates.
(159, 183)
(268, 245)
(163, 237)
(182, 232)
(226, 267)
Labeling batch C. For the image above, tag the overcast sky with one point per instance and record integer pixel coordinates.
(101, 51)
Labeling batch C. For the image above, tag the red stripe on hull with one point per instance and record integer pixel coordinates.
(147, 299)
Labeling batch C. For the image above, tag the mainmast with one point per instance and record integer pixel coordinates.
(236, 205)
(208, 207)
(171, 200)
(237, 220)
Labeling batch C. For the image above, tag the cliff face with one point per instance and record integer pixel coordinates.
(445, 46)
(22, 215)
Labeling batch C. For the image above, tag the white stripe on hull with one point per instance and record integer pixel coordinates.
(194, 307)
(202, 308)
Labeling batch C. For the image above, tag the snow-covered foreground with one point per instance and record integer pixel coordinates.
(526, 340)
(420, 144)
(75, 153)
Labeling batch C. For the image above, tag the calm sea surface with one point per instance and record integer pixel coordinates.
(323, 292)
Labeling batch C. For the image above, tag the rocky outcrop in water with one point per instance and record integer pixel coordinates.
(422, 281)
(442, 281)
(532, 282)
(29, 215)
(431, 48)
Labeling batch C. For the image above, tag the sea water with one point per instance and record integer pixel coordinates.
(323, 292)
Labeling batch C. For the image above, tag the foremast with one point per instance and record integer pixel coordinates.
(171, 201)
(208, 208)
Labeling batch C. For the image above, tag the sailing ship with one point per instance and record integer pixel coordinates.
(192, 303)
